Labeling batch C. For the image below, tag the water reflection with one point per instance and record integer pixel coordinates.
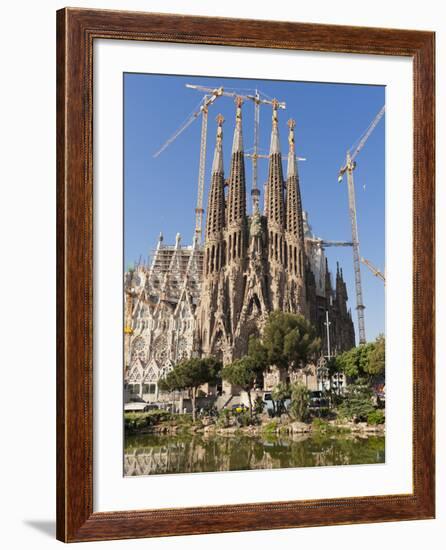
(167, 454)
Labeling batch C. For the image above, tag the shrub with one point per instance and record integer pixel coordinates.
(320, 425)
(224, 418)
(258, 405)
(244, 418)
(300, 401)
(139, 420)
(271, 427)
(357, 404)
(376, 417)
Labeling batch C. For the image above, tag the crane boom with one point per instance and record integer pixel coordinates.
(374, 270)
(367, 133)
(206, 102)
(255, 97)
(323, 243)
(180, 130)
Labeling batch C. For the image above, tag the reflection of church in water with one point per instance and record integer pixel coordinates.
(208, 300)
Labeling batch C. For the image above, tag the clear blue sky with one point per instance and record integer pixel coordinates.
(160, 194)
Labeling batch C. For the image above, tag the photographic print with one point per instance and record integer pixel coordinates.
(254, 275)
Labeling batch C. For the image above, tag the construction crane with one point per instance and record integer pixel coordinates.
(374, 270)
(258, 100)
(323, 244)
(205, 103)
(349, 166)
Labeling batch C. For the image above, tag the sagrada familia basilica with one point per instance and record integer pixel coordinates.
(202, 300)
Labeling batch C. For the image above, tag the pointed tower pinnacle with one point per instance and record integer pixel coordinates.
(275, 210)
(292, 149)
(237, 186)
(237, 143)
(217, 165)
(275, 142)
(216, 201)
(294, 215)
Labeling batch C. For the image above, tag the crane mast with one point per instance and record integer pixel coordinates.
(255, 193)
(349, 167)
(356, 257)
(203, 111)
(201, 174)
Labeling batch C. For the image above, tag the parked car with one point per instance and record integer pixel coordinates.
(274, 407)
(318, 400)
(137, 407)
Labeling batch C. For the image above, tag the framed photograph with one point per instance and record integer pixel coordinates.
(245, 275)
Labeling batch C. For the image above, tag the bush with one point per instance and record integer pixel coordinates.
(137, 420)
(376, 417)
(243, 418)
(320, 425)
(258, 405)
(271, 427)
(300, 401)
(224, 418)
(357, 404)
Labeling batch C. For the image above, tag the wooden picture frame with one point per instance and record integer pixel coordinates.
(76, 31)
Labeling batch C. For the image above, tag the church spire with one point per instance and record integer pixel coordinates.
(275, 142)
(292, 150)
(237, 185)
(294, 218)
(216, 201)
(275, 210)
(217, 165)
(237, 142)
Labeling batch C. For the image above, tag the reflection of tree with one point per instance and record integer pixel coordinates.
(152, 454)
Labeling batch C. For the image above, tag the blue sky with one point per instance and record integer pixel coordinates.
(160, 193)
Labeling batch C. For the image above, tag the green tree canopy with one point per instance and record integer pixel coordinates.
(258, 353)
(366, 360)
(377, 357)
(290, 340)
(190, 374)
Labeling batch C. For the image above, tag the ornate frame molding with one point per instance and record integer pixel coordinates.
(76, 31)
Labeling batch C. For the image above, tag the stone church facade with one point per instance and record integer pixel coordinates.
(209, 300)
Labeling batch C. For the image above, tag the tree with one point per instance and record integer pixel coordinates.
(189, 375)
(258, 353)
(300, 401)
(244, 372)
(290, 340)
(349, 362)
(357, 404)
(366, 360)
(376, 358)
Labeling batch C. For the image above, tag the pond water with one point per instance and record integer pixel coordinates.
(169, 454)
